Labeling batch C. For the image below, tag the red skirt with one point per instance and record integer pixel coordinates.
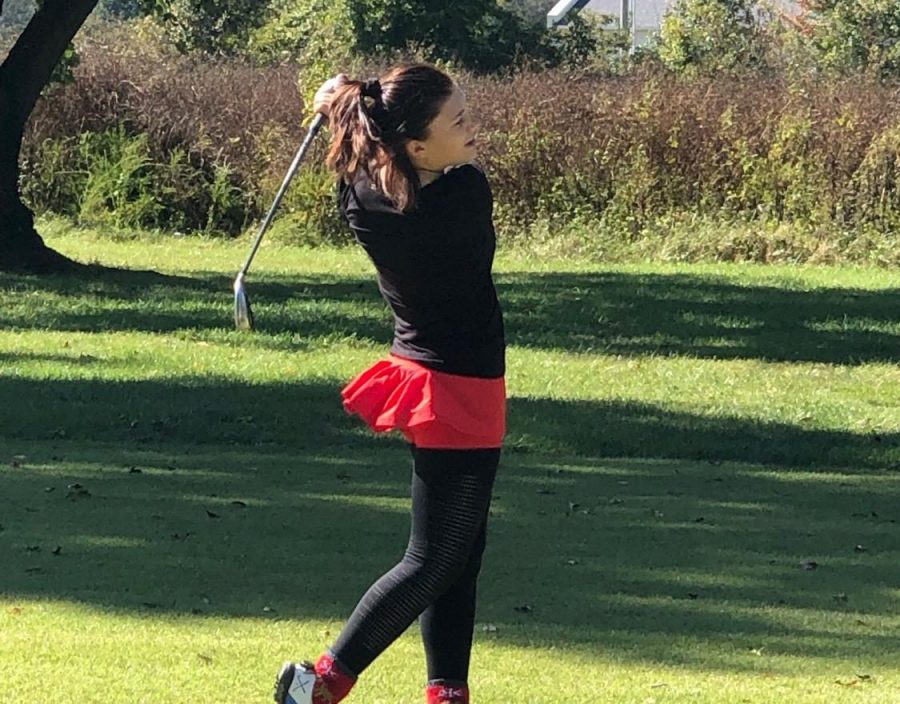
(432, 409)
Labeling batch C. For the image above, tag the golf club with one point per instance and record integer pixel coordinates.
(243, 314)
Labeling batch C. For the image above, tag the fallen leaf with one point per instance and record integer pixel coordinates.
(57, 550)
(32, 548)
(77, 490)
(211, 514)
(523, 609)
(840, 597)
(849, 683)
(809, 565)
(205, 658)
(135, 470)
(239, 504)
(489, 628)
(859, 548)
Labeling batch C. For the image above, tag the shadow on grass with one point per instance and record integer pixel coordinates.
(209, 497)
(222, 499)
(612, 312)
(191, 411)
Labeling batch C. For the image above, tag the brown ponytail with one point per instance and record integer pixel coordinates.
(372, 121)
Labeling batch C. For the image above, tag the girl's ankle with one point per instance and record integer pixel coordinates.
(447, 692)
(333, 681)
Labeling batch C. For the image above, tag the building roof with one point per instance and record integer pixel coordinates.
(648, 14)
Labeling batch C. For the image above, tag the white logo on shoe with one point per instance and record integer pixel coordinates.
(301, 689)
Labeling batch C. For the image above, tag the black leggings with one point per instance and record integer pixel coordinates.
(436, 579)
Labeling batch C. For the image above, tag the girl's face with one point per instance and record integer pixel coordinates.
(451, 139)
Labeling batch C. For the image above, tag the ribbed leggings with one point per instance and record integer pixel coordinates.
(436, 579)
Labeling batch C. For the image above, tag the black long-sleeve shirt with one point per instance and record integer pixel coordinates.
(434, 270)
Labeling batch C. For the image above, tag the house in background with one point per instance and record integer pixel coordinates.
(642, 17)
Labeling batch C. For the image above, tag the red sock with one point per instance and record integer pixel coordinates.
(445, 692)
(332, 682)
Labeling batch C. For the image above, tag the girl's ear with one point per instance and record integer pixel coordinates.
(414, 148)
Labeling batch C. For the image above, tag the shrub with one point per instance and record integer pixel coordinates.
(851, 36)
(633, 160)
(220, 27)
(875, 186)
(482, 35)
(200, 122)
(712, 36)
(118, 186)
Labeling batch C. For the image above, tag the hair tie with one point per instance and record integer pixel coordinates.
(372, 89)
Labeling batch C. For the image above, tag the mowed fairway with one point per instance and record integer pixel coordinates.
(699, 500)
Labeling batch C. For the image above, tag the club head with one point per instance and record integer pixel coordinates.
(243, 314)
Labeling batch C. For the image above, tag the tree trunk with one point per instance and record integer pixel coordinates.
(23, 75)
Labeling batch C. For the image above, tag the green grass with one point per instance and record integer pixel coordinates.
(682, 437)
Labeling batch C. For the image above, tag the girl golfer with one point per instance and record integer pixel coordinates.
(402, 148)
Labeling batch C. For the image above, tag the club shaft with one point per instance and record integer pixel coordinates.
(310, 136)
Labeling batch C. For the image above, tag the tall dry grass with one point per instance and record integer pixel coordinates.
(621, 154)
